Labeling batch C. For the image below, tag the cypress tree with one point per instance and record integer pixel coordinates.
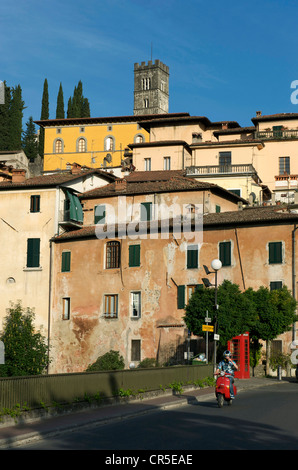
(60, 114)
(16, 117)
(29, 141)
(44, 115)
(5, 119)
(78, 105)
(69, 108)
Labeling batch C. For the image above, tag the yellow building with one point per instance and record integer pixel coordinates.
(93, 142)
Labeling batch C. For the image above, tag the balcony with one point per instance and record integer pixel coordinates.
(220, 170)
(280, 134)
(67, 222)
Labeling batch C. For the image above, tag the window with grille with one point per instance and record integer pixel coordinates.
(284, 165)
(135, 349)
(82, 145)
(112, 255)
(58, 146)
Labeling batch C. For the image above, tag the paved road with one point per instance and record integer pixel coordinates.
(265, 418)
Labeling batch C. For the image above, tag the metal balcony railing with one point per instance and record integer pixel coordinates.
(277, 134)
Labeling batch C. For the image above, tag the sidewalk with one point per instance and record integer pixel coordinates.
(13, 435)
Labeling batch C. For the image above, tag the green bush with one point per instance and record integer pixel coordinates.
(109, 361)
(148, 362)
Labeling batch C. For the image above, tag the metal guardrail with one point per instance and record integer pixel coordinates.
(67, 388)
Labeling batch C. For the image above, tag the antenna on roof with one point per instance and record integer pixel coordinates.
(151, 51)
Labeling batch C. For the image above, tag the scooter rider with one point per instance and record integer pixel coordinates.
(228, 366)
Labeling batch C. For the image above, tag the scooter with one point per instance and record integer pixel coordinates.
(222, 389)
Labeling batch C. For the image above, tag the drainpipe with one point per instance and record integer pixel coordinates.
(294, 275)
(49, 306)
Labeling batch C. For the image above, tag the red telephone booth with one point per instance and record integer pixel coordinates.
(239, 347)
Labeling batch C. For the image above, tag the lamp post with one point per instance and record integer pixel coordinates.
(216, 264)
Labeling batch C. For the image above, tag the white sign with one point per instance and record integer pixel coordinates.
(216, 337)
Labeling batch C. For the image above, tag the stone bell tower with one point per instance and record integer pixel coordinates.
(151, 88)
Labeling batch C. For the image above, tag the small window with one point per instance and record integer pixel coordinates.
(147, 162)
(58, 146)
(113, 255)
(275, 252)
(192, 257)
(190, 289)
(275, 285)
(134, 256)
(166, 163)
(146, 103)
(35, 204)
(65, 265)
(181, 297)
(225, 253)
(217, 209)
(100, 214)
(66, 308)
(109, 144)
(81, 145)
(111, 305)
(146, 211)
(135, 349)
(33, 252)
(135, 304)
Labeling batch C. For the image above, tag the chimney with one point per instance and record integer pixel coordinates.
(224, 125)
(259, 113)
(18, 175)
(120, 185)
(75, 168)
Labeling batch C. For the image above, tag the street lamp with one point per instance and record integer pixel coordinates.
(216, 264)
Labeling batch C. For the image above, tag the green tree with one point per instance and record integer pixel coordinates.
(16, 118)
(60, 114)
(78, 105)
(26, 351)
(275, 313)
(5, 120)
(44, 115)
(29, 141)
(235, 314)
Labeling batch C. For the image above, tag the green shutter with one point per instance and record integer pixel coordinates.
(146, 211)
(100, 214)
(134, 255)
(76, 211)
(192, 257)
(181, 297)
(225, 253)
(275, 252)
(33, 249)
(66, 256)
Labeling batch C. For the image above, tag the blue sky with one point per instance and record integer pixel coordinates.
(227, 59)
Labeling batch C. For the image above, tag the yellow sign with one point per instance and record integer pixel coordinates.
(207, 328)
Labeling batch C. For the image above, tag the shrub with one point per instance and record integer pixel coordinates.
(109, 361)
(148, 362)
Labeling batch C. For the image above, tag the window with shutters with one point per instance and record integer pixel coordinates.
(33, 252)
(65, 265)
(100, 214)
(275, 252)
(66, 308)
(135, 349)
(146, 211)
(192, 256)
(35, 203)
(134, 256)
(111, 305)
(225, 253)
(180, 297)
(112, 255)
(135, 304)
